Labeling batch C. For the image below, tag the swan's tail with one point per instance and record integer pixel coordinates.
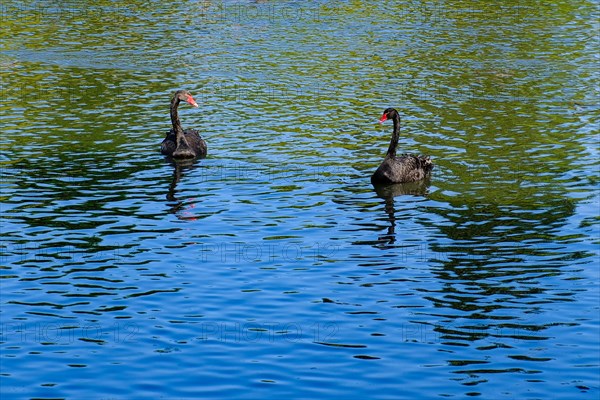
(425, 163)
(420, 162)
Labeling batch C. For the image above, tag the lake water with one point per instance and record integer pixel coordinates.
(273, 268)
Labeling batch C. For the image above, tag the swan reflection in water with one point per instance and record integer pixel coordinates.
(180, 208)
(388, 192)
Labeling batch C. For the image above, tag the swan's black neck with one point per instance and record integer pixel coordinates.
(395, 136)
(180, 140)
(175, 116)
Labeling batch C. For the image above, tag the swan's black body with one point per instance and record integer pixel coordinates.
(407, 167)
(181, 143)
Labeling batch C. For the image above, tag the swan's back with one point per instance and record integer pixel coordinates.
(194, 145)
(406, 168)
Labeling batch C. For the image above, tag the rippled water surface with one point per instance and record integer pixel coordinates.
(273, 268)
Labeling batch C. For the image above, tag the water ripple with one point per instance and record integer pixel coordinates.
(273, 268)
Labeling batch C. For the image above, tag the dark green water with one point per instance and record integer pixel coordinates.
(273, 268)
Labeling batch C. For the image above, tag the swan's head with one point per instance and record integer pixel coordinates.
(186, 96)
(389, 113)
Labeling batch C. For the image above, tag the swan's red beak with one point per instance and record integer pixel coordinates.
(383, 118)
(192, 102)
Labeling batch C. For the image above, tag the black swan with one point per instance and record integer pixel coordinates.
(407, 167)
(180, 143)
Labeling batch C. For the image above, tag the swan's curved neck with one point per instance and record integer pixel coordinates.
(395, 136)
(175, 116)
